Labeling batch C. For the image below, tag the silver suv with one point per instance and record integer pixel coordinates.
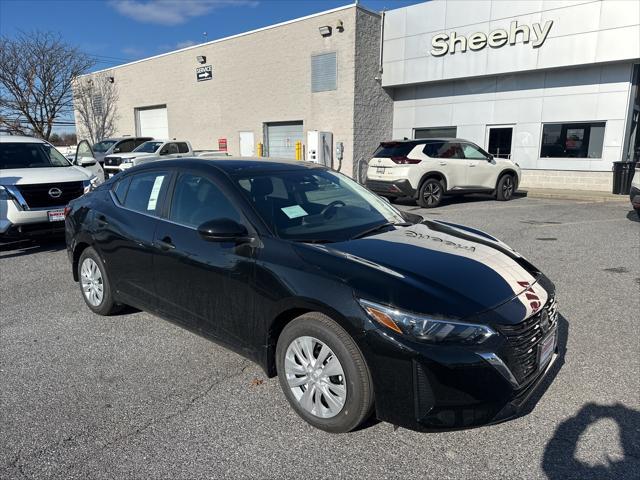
(109, 146)
(36, 183)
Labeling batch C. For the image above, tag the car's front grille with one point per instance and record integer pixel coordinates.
(112, 161)
(50, 194)
(523, 339)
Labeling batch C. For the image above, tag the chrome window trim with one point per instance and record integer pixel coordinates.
(15, 193)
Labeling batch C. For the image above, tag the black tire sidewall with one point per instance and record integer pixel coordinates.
(359, 390)
(421, 200)
(499, 194)
(107, 305)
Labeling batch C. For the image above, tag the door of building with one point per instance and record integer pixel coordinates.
(152, 122)
(499, 140)
(282, 138)
(247, 144)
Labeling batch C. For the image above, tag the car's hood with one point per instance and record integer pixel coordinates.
(23, 176)
(432, 267)
(132, 155)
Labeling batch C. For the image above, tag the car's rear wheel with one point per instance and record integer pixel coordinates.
(506, 188)
(94, 283)
(430, 194)
(323, 374)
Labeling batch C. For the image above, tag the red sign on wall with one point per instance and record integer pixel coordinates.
(222, 144)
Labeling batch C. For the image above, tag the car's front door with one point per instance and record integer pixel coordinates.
(124, 234)
(203, 284)
(85, 158)
(482, 169)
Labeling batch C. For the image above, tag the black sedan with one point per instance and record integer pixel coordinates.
(355, 306)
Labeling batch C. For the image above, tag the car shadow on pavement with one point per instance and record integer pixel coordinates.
(459, 199)
(560, 463)
(22, 247)
(634, 216)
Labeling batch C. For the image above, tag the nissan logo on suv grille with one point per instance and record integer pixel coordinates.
(55, 192)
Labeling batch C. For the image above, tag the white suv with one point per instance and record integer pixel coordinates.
(37, 182)
(427, 169)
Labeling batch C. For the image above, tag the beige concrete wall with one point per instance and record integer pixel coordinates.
(259, 77)
(567, 180)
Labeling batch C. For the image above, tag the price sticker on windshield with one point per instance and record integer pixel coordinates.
(294, 211)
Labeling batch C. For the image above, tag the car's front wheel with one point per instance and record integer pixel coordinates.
(323, 374)
(94, 283)
(506, 188)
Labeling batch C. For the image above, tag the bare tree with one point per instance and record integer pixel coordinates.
(95, 101)
(36, 74)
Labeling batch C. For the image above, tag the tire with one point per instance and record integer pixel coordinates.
(94, 284)
(430, 194)
(346, 399)
(506, 188)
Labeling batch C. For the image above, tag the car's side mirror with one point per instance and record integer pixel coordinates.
(490, 158)
(117, 150)
(224, 230)
(87, 161)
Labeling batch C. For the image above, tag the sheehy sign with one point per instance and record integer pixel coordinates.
(444, 43)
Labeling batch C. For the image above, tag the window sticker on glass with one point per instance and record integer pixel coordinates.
(155, 191)
(294, 211)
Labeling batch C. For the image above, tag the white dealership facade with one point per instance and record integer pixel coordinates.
(552, 84)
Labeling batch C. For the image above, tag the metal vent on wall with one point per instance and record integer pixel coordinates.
(324, 72)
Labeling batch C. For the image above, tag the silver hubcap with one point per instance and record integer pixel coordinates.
(432, 193)
(315, 377)
(507, 187)
(91, 280)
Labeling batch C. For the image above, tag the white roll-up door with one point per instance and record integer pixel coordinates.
(282, 138)
(152, 122)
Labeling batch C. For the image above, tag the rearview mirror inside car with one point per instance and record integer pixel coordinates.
(223, 230)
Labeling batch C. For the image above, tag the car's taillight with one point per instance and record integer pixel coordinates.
(67, 211)
(405, 160)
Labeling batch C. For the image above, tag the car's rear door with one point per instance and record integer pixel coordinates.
(205, 285)
(447, 157)
(124, 234)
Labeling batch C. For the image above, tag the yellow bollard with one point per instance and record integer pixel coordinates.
(298, 150)
(259, 150)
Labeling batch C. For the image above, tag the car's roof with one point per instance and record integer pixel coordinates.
(238, 165)
(128, 137)
(425, 140)
(20, 139)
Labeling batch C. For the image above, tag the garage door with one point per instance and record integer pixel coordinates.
(152, 122)
(282, 138)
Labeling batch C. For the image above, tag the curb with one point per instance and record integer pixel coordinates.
(600, 197)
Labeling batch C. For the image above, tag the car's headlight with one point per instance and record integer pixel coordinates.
(421, 327)
(90, 184)
(128, 160)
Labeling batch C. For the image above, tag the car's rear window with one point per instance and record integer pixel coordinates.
(394, 149)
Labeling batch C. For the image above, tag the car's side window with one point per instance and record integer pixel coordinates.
(443, 149)
(120, 189)
(145, 191)
(472, 152)
(183, 147)
(196, 200)
(169, 149)
(125, 146)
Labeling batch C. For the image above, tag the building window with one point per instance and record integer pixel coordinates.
(435, 132)
(572, 140)
(324, 72)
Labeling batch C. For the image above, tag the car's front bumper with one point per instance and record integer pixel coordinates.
(395, 188)
(17, 222)
(634, 196)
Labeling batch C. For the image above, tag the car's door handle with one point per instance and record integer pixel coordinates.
(102, 221)
(165, 244)
(443, 163)
(472, 165)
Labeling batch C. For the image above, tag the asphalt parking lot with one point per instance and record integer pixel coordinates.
(133, 396)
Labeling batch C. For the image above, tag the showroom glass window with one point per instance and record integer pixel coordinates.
(572, 140)
(435, 132)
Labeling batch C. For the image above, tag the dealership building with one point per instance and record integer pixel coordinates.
(551, 84)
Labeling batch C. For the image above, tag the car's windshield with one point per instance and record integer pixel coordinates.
(148, 147)
(103, 146)
(30, 155)
(316, 205)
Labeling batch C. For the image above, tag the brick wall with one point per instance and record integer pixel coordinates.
(567, 180)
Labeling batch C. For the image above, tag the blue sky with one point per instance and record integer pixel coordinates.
(117, 31)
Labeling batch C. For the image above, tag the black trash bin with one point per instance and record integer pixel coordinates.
(622, 176)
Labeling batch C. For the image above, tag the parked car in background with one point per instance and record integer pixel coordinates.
(111, 146)
(428, 169)
(36, 183)
(152, 149)
(634, 193)
(356, 306)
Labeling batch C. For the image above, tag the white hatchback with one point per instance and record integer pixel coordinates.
(428, 169)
